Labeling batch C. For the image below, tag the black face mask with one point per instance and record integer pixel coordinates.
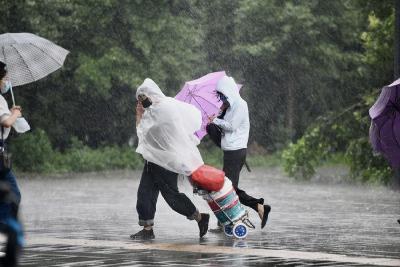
(146, 103)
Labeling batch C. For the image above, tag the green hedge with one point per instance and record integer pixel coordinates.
(33, 152)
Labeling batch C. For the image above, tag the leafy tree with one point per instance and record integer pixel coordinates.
(298, 61)
(114, 45)
(348, 132)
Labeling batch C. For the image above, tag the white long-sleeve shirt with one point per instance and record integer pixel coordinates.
(236, 123)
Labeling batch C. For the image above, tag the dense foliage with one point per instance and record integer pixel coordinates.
(345, 131)
(298, 61)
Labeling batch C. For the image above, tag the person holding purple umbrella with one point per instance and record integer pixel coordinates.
(234, 125)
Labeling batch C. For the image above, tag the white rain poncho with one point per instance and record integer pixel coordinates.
(166, 131)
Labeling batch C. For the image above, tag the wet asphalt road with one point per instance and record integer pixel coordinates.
(332, 224)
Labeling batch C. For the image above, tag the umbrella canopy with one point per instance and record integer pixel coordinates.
(29, 57)
(202, 94)
(385, 125)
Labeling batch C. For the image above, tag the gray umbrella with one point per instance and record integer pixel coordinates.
(29, 57)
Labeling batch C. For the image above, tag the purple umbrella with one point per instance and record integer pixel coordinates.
(385, 126)
(202, 94)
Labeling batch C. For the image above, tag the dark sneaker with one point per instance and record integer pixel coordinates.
(143, 235)
(203, 224)
(267, 209)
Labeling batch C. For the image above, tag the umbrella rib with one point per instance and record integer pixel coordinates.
(203, 99)
(196, 89)
(45, 53)
(200, 105)
(188, 97)
(19, 54)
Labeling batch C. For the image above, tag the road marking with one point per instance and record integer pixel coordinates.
(211, 249)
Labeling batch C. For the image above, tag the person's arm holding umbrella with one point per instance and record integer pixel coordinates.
(7, 117)
(8, 120)
(232, 124)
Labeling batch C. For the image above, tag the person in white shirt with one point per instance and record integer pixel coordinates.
(10, 196)
(234, 126)
(7, 119)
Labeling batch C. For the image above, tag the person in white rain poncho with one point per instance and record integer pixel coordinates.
(165, 128)
(166, 131)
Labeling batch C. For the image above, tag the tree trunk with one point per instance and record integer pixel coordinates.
(290, 108)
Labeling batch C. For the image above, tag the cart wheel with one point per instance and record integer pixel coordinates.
(240, 230)
(228, 230)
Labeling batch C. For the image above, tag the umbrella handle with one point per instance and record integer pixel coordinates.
(12, 96)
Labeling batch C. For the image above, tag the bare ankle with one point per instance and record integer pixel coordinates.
(260, 208)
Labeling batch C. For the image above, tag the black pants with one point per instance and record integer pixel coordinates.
(233, 163)
(156, 179)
